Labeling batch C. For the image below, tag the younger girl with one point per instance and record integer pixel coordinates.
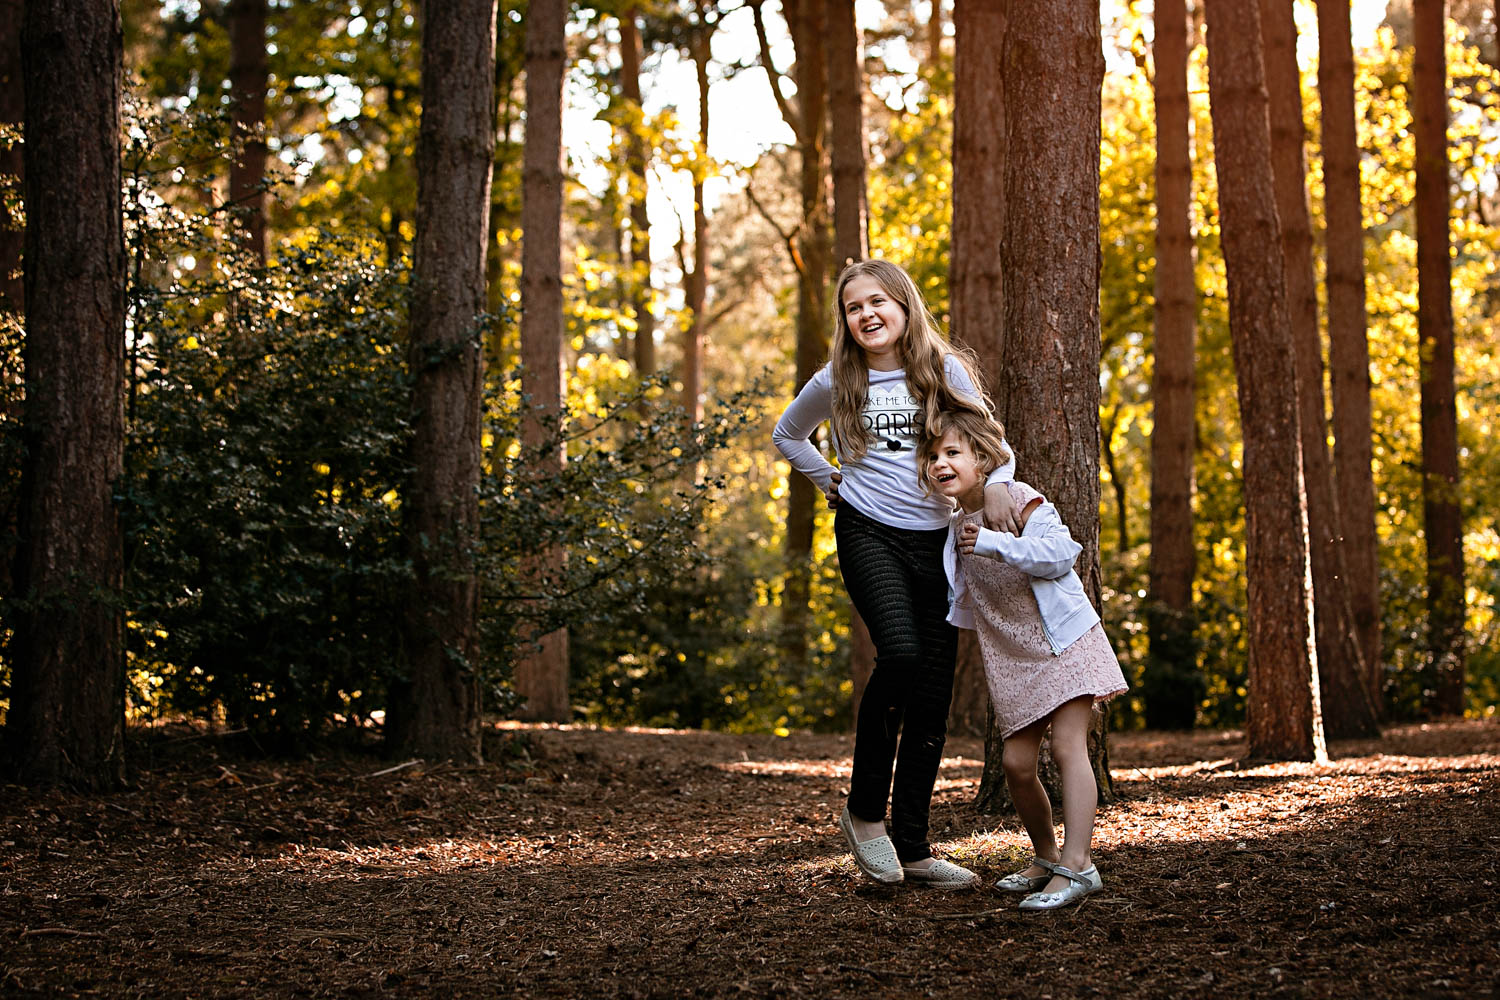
(1046, 657)
(889, 371)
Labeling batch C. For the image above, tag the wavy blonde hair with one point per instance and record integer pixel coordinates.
(984, 435)
(923, 350)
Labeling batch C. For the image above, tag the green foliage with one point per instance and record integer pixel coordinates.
(266, 441)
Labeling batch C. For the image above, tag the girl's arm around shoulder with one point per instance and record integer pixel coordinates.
(1045, 548)
(813, 405)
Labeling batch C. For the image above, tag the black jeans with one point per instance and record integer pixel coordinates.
(895, 579)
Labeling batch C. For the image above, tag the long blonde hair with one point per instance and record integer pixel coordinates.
(923, 352)
(984, 435)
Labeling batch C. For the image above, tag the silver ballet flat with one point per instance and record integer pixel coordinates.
(1080, 884)
(1021, 882)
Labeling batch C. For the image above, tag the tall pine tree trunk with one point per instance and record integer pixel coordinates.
(1053, 72)
(1348, 344)
(1173, 684)
(851, 229)
(66, 720)
(1442, 519)
(12, 235)
(1283, 716)
(635, 171)
(247, 88)
(12, 113)
(807, 23)
(454, 161)
(976, 304)
(541, 676)
(696, 279)
(1348, 712)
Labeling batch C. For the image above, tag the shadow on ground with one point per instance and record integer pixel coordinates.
(658, 864)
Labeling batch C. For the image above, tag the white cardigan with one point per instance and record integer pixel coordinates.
(1046, 551)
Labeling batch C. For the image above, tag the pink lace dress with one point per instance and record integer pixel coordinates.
(1027, 680)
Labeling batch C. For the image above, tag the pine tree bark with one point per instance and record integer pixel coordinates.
(66, 719)
(851, 226)
(248, 80)
(454, 161)
(1442, 519)
(635, 170)
(1053, 73)
(1282, 708)
(807, 23)
(12, 113)
(1172, 682)
(976, 286)
(12, 235)
(1348, 344)
(696, 280)
(541, 675)
(1348, 712)
(976, 303)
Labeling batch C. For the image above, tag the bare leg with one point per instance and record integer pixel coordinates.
(1019, 759)
(1080, 794)
(865, 829)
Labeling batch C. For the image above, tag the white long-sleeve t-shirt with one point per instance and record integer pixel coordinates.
(882, 483)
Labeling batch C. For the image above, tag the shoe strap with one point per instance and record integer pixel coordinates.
(1069, 873)
(1051, 866)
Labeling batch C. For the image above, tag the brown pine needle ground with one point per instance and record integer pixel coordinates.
(677, 864)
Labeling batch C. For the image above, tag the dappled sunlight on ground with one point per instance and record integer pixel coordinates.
(581, 860)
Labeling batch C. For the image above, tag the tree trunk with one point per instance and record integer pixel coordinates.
(454, 159)
(1116, 481)
(696, 280)
(635, 172)
(1348, 344)
(12, 113)
(976, 304)
(935, 31)
(851, 230)
(1173, 683)
(12, 235)
(1053, 72)
(1442, 519)
(66, 720)
(976, 299)
(851, 226)
(247, 89)
(541, 675)
(807, 22)
(1348, 712)
(1282, 709)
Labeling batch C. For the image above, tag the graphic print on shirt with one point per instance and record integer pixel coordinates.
(892, 418)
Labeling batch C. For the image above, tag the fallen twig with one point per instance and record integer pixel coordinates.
(58, 932)
(389, 770)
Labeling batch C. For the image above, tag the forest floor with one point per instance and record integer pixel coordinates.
(583, 863)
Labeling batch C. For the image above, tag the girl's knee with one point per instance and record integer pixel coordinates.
(1019, 763)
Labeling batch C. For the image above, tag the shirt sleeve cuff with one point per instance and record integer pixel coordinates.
(988, 543)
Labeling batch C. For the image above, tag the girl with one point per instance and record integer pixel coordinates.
(889, 370)
(1046, 657)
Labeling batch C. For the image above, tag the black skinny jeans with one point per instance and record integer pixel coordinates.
(895, 579)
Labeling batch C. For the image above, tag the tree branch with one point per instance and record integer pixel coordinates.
(773, 77)
(789, 238)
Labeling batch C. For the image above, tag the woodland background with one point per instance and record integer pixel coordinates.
(295, 557)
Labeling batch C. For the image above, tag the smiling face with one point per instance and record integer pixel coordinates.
(953, 471)
(876, 322)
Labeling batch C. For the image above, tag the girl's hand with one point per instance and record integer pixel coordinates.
(1000, 512)
(832, 491)
(967, 536)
